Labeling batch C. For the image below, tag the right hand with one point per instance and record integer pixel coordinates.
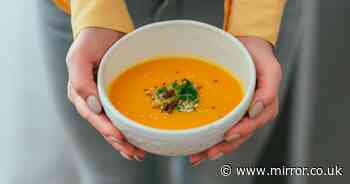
(83, 58)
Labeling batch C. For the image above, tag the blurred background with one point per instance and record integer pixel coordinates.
(31, 136)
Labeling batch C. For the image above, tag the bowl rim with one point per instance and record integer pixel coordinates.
(212, 125)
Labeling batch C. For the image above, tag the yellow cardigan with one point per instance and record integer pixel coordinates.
(260, 18)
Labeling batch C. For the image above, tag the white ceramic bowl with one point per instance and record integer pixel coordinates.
(183, 38)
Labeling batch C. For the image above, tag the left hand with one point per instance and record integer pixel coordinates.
(264, 107)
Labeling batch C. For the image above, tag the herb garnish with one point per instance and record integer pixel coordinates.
(181, 96)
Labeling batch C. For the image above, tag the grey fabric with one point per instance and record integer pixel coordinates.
(95, 160)
(32, 142)
(330, 125)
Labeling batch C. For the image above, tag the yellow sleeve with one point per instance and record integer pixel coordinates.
(260, 18)
(109, 14)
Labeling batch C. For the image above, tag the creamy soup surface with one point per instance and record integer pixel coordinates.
(219, 92)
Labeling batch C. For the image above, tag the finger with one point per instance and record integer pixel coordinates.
(197, 158)
(133, 152)
(103, 125)
(215, 152)
(247, 125)
(81, 76)
(100, 122)
(69, 92)
(269, 76)
(139, 154)
(243, 128)
(227, 147)
(222, 148)
(130, 150)
(127, 150)
(269, 115)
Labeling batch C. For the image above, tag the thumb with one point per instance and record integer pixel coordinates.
(81, 78)
(268, 81)
(268, 73)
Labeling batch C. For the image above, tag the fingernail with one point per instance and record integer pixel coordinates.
(217, 156)
(94, 104)
(138, 158)
(197, 163)
(232, 137)
(114, 140)
(125, 155)
(256, 109)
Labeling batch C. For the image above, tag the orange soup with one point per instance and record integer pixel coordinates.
(218, 92)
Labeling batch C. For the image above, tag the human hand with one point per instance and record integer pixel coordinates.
(264, 107)
(82, 60)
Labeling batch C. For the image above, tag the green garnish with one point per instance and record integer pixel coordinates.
(181, 96)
